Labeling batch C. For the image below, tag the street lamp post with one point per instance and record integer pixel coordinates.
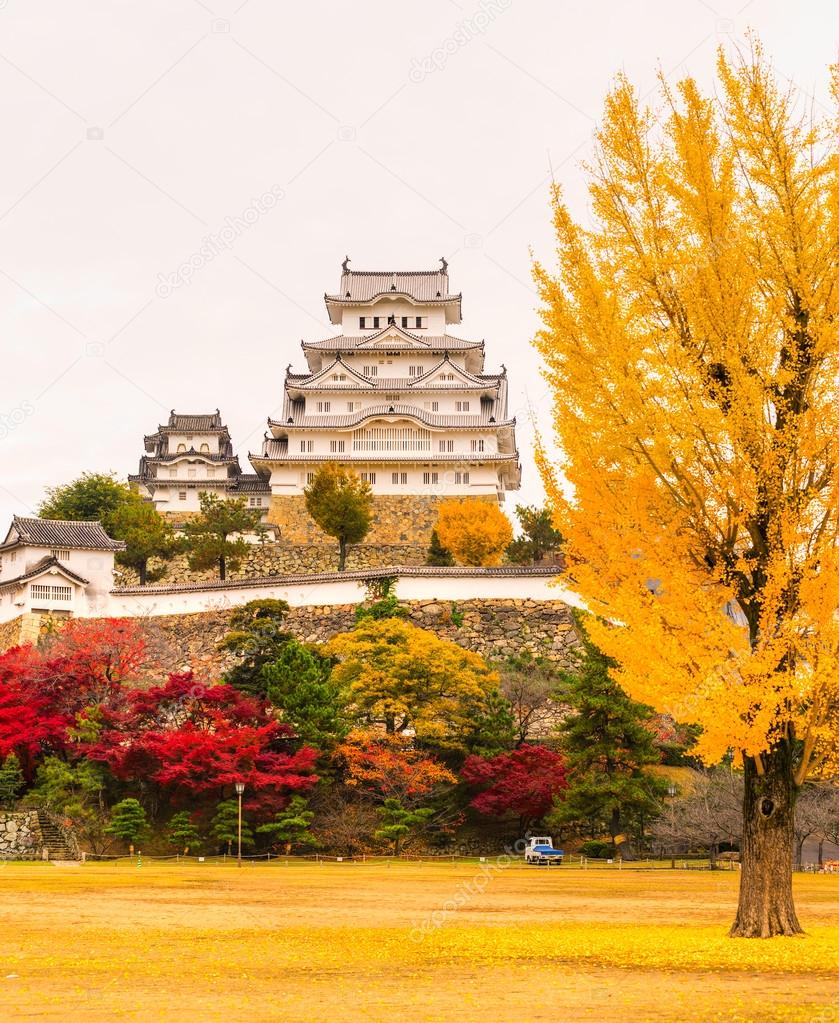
(240, 788)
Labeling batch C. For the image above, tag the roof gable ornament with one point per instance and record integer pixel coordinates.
(345, 264)
(444, 266)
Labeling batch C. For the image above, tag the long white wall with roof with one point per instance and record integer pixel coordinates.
(348, 588)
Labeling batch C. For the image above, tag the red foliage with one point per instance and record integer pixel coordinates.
(523, 782)
(28, 726)
(198, 740)
(42, 690)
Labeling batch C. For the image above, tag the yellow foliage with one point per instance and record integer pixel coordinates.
(691, 342)
(476, 532)
(400, 676)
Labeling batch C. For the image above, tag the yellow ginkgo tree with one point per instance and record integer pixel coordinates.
(691, 342)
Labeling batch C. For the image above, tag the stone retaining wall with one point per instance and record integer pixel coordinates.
(285, 558)
(10, 633)
(397, 518)
(494, 628)
(20, 836)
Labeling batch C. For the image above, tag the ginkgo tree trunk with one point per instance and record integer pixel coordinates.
(691, 343)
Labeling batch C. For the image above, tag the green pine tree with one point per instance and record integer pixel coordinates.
(299, 682)
(398, 822)
(538, 535)
(438, 554)
(207, 538)
(11, 782)
(224, 826)
(257, 637)
(181, 833)
(128, 821)
(290, 826)
(608, 744)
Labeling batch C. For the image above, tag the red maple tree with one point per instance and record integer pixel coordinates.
(523, 782)
(196, 740)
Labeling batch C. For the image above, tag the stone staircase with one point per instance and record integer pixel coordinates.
(54, 839)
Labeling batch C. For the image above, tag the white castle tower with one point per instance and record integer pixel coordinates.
(394, 397)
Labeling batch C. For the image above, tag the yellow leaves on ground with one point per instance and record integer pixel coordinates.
(428, 941)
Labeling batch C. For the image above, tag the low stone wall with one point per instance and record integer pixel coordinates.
(299, 558)
(493, 628)
(20, 836)
(397, 518)
(24, 629)
(10, 633)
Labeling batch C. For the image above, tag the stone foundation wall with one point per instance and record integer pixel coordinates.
(494, 628)
(24, 629)
(292, 558)
(20, 836)
(397, 519)
(10, 633)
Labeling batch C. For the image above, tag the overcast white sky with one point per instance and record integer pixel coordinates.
(395, 132)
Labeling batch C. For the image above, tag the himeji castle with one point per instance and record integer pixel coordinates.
(395, 397)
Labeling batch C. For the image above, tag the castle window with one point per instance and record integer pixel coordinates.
(310, 477)
(181, 447)
(255, 502)
(324, 406)
(415, 371)
(307, 445)
(391, 438)
(398, 478)
(350, 406)
(205, 449)
(336, 446)
(430, 478)
(210, 472)
(447, 445)
(478, 445)
(371, 371)
(181, 495)
(191, 472)
(434, 406)
(461, 406)
(368, 322)
(368, 477)
(421, 322)
(461, 477)
(61, 553)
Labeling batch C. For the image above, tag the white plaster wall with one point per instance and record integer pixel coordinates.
(483, 479)
(304, 593)
(397, 307)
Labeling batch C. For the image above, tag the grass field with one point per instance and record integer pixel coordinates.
(422, 941)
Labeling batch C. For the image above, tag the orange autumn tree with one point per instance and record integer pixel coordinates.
(691, 342)
(391, 767)
(476, 532)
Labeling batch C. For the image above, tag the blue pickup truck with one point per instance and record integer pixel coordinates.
(540, 850)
